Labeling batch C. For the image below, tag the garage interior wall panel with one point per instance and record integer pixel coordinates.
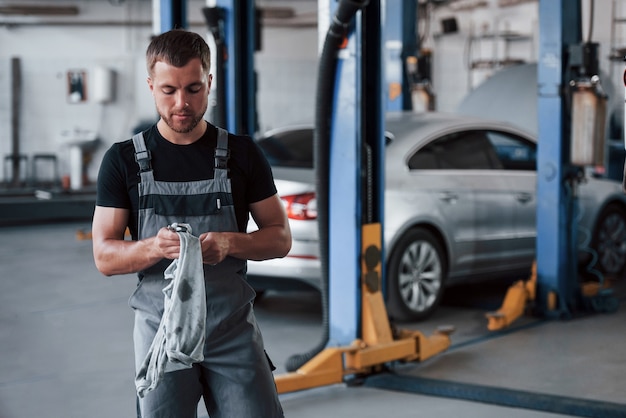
(286, 66)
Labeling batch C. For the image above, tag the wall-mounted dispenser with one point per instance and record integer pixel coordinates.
(103, 89)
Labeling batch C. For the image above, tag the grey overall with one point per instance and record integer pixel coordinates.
(234, 378)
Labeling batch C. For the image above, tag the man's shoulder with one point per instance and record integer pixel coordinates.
(121, 153)
(126, 146)
(121, 148)
(240, 142)
(213, 131)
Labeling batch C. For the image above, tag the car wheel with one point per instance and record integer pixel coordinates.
(609, 241)
(415, 276)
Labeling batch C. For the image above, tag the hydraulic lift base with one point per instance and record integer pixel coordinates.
(378, 344)
(332, 364)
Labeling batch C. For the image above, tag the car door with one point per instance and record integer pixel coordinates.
(518, 157)
(474, 200)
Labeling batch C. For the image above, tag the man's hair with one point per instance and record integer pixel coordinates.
(177, 47)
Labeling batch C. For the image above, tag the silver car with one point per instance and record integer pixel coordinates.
(460, 205)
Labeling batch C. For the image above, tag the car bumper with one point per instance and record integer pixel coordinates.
(291, 272)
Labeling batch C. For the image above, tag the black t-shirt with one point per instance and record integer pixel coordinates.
(250, 173)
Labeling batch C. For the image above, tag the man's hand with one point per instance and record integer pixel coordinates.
(168, 243)
(215, 247)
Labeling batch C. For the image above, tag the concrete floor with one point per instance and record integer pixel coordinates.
(67, 349)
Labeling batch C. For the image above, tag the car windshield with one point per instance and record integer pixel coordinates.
(289, 148)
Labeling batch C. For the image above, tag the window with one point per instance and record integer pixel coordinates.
(467, 150)
(514, 153)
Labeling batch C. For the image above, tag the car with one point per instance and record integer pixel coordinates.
(460, 206)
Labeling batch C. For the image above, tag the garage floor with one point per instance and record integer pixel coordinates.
(67, 350)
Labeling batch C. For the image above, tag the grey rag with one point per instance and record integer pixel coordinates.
(179, 341)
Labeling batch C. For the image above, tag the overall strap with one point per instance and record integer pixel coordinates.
(142, 155)
(222, 154)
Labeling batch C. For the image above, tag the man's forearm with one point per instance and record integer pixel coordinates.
(113, 256)
(263, 244)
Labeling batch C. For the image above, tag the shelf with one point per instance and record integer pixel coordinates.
(505, 36)
(491, 64)
(617, 54)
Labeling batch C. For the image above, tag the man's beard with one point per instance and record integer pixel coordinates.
(187, 127)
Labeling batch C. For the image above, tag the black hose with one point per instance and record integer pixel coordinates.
(337, 32)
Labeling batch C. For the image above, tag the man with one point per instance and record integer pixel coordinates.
(186, 170)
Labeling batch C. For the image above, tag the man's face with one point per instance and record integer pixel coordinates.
(180, 94)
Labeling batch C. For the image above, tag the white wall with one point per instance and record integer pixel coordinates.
(47, 52)
(480, 37)
(453, 52)
(286, 67)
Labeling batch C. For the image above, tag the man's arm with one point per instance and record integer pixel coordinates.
(271, 240)
(115, 255)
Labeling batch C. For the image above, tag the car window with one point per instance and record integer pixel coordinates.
(293, 148)
(290, 148)
(515, 153)
(466, 150)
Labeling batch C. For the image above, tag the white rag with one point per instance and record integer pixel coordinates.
(179, 341)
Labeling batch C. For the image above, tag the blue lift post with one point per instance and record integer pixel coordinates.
(400, 43)
(567, 72)
(234, 26)
(557, 280)
(357, 140)
(361, 101)
(350, 125)
(169, 14)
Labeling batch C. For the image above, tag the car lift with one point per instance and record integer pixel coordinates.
(361, 340)
(569, 91)
(378, 343)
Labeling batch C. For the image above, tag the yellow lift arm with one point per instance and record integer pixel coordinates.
(522, 292)
(514, 303)
(378, 345)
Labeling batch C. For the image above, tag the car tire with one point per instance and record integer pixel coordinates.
(416, 273)
(609, 242)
